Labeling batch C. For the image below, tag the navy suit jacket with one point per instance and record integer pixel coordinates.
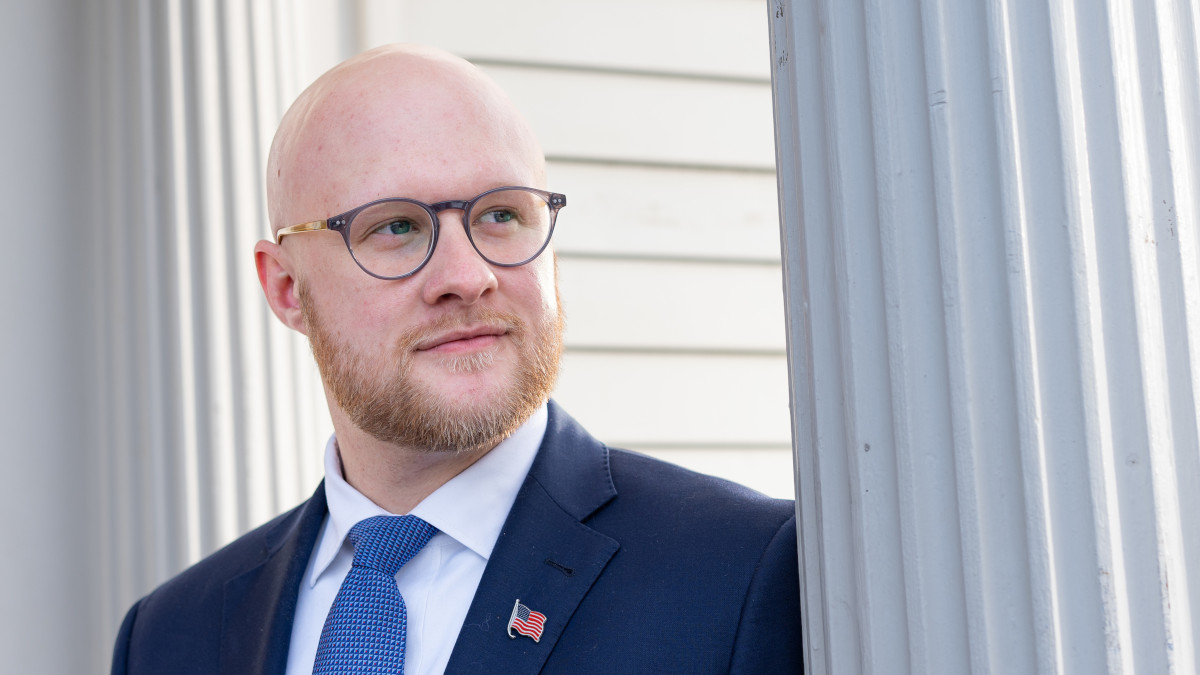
(639, 566)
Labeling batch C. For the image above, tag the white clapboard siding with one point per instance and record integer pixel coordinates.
(662, 305)
(623, 210)
(616, 34)
(669, 247)
(660, 120)
(677, 400)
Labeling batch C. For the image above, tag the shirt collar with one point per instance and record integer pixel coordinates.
(470, 508)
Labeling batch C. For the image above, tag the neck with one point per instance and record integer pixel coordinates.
(396, 478)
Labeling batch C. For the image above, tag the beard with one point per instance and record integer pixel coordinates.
(381, 396)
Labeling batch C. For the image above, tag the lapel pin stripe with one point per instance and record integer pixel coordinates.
(526, 622)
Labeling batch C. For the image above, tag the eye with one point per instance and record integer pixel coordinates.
(498, 216)
(396, 226)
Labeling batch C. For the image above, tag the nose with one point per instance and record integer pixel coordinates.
(456, 272)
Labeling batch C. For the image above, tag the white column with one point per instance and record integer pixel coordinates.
(993, 272)
(44, 344)
(207, 415)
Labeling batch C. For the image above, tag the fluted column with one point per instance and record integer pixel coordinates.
(46, 535)
(993, 273)
(206, 414)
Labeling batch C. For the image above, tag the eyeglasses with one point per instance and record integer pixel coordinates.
(394, 238)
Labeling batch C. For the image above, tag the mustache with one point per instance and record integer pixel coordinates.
(505, 322)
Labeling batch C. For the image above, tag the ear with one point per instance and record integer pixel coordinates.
(279, 284)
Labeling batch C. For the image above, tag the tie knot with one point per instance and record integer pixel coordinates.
(386, 543)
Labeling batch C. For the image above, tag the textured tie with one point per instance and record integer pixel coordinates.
(367, 625)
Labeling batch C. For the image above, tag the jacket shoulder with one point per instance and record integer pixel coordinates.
(178, 626)
(698, 555)
(672, 490)
(209, 574)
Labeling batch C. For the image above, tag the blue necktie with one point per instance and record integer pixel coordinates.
(366, 627)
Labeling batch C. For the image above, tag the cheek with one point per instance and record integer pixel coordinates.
(350, 303)
(545, 282)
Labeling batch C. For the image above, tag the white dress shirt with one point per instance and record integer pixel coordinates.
(439, 583)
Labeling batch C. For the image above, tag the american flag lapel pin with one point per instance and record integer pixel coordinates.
(526, 622)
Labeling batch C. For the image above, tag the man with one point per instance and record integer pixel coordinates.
(411, 214)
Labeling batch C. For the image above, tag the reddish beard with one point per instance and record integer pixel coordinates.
(380, 396)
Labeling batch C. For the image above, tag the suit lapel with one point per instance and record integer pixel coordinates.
(260, 604)
(545, 556)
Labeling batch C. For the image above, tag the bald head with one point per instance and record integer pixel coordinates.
(398, 120)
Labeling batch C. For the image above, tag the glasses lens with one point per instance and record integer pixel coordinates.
(391, 238)
(510, 226)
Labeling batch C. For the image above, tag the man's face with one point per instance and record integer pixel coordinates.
(458, 355)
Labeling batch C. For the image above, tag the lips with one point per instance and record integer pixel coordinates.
(465, 339)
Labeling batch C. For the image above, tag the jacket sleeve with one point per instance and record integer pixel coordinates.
(769, 636)
(120, 663)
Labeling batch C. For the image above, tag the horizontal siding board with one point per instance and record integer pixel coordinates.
(641, 211)
(633, 304)
(657, 120)
(633, 399)
(726, 38)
